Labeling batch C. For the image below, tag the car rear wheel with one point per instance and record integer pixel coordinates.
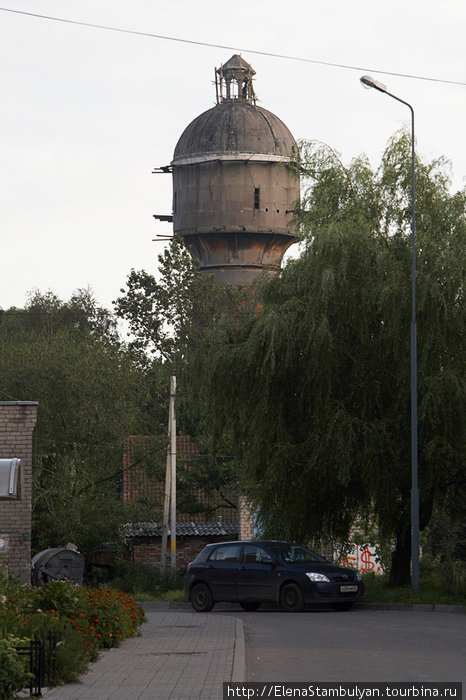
(342, 606)
(250, 607)
(201, 598)
(291, 598)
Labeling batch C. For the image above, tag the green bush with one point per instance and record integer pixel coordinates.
(23, 598)
(111, 616)
(62, 597)
(72, 654)
(14, 671)
(84, 620)
(446, 577)
(142, 578)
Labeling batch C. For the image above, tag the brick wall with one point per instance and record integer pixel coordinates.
(17, 421)
(137, 485)
(147, 550)
(246, 519)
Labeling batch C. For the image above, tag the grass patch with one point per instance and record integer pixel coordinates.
(176, 595)
(445, 585)
(146, 582)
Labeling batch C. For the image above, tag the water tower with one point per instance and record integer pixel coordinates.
(233, 192)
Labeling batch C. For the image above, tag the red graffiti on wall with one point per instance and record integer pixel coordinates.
(367, 563)
(363, 560)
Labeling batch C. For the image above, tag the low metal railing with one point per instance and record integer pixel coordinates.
(42, 655)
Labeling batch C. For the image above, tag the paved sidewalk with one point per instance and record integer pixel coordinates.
(180, 655)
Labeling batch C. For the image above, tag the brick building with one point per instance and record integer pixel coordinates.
(17, 422)
(194, 529)
(137, 484)
(144, 540)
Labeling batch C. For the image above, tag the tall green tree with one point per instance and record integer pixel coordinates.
(168, 315)
(92, 394)
(315, 391)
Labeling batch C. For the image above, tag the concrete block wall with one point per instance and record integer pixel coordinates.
(17, 422)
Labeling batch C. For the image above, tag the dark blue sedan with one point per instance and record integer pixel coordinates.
(255, 572)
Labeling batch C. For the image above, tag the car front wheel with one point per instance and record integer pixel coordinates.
(201, 598)
(291, 598)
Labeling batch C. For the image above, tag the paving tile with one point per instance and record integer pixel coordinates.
(179, 656)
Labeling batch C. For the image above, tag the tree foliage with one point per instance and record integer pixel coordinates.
(168, 313)
(168, 316)
(92, 394)
(315, 391)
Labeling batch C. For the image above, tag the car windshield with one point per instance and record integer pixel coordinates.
(295, 553)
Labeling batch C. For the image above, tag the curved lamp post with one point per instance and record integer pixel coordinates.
(369, 82)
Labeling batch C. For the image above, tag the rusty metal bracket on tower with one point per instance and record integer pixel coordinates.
(163, 170)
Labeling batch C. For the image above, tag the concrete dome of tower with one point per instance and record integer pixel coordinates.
(236, 124)
(235, 127)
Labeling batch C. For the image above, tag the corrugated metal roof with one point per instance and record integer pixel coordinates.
(153, 529)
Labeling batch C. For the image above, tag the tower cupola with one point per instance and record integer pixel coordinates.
(233, 81)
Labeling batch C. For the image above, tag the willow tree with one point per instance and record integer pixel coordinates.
(315, 392)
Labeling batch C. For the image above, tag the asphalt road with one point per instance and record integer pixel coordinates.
(359, 645)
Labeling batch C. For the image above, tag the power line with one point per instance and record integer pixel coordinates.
(231, 48)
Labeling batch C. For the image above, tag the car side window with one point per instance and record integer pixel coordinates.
(226, 553)
(253, 554)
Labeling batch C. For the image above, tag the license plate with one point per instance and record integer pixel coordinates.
(348, 589)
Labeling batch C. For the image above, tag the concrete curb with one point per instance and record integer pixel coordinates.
(165, 605)
(238, 673)
(418, 607)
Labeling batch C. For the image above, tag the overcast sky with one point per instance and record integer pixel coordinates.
(86, 114)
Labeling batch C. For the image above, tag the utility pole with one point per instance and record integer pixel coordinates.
(169, 515)
(166, 505)
(172, 473)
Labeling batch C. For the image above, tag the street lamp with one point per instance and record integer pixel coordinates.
(369, 82)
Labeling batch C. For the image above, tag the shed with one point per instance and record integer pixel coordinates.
(145, 539)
